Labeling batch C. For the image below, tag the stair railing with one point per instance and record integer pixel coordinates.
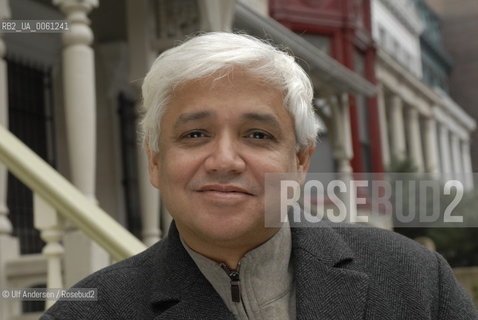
(55, 198)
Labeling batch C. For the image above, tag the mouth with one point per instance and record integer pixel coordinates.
(224, 190)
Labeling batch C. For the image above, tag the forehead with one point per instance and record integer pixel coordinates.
(233, 93)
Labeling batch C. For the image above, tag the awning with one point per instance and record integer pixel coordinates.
(327, 69)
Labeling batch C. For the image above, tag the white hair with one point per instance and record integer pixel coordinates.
(214, 52)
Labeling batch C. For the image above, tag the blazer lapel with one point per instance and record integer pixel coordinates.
(326, 289)
(178, 288)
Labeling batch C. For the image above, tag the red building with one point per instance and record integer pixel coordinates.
(342, 28)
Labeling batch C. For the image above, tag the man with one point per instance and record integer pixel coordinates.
(222, 110)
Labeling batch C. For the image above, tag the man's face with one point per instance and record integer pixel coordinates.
(217, 141)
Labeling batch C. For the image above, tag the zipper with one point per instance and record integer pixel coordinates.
(235, 281)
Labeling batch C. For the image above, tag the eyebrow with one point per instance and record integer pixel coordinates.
(191, 116)
(263, 117)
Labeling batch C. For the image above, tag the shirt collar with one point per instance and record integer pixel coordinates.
(266, 272)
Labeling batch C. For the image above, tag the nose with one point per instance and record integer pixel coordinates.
(224, 157)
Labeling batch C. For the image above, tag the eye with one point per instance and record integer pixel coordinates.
(195, 134)
(260, 135)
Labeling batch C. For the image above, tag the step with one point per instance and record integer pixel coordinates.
(26, 271)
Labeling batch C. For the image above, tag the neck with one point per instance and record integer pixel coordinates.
(227, 252)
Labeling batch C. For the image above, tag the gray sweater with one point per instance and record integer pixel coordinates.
(266, 276)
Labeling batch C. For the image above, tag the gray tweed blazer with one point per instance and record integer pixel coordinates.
(340, 272)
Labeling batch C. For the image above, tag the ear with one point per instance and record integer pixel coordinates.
(304, 156)
(153, 165)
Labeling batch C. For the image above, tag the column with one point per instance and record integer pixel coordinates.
(217, 15)
(397, 129)
(414, 139)
(141, 58)
(5, 225)
(383, 125)
(467, 168)
(342, 144)
(457, 161)
(47, 221)
(445, 151)
(431, 146)
(82, 255)
(79, 94)
(343, 152)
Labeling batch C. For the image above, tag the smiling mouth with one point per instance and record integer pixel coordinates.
(233, 194)
(224, 198)
(225, 192)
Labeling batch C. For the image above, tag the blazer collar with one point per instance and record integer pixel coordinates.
(178, 288)
(326, 286)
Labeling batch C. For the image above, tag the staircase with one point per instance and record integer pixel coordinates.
(58, 207)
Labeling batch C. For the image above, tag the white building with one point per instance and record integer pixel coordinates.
(418, 122)
(397, 28)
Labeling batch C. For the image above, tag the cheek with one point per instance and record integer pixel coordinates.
(278, 161)
(177, 170)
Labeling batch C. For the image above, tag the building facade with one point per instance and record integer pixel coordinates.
(419, 121)
(342, 29)
(74, 99)
(459, 21)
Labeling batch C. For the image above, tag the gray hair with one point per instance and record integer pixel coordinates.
(214, 52)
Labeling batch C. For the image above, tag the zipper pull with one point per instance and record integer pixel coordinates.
(235, 282)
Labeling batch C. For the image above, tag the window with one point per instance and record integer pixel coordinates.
(31, 120)
(319, 41)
